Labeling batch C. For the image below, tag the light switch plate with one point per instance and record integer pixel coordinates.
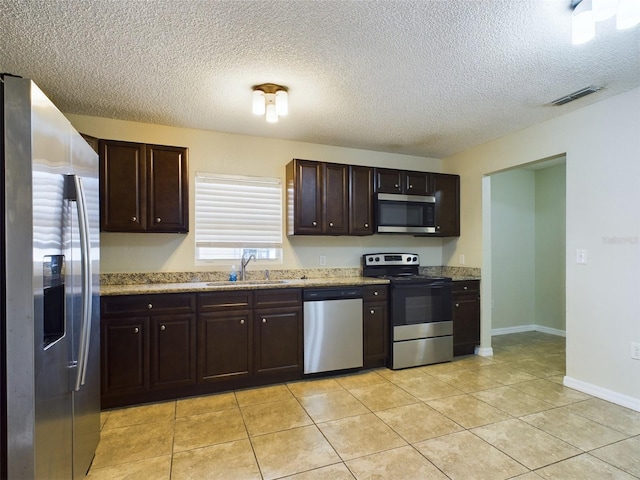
(581, 256)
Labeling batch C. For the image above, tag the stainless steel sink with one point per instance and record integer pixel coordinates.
(227, 283)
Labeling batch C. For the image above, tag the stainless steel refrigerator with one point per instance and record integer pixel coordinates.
(50, 402)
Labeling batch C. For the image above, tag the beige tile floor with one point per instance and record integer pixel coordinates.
(507, 416)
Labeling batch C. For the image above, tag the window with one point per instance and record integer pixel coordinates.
(238, 214)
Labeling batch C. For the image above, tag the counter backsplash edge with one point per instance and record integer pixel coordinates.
(458, 273)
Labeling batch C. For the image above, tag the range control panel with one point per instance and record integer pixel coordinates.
(391, 259)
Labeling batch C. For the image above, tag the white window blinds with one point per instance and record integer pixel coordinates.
(237, 214)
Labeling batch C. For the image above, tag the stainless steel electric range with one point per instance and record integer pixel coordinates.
(420, 309)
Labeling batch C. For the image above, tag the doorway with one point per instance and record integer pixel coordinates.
(524, 250)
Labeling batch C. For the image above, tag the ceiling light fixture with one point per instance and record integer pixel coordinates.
(587, 12)
(270, 100)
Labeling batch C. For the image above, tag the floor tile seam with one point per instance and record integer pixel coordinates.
(538, 469)
(552, 435)
(529, 469)
(255, 457)
(209, 412)
(609, 463)
(138, 424)
(425, 457)
(110, 465)
(596, 421)
(551, 406)
(333, 419)
(571, 412)
(436, 436)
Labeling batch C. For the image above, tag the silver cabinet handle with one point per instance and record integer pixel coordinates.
(457, 305)
(410, 187)
(375, 294)
(372, 312)
(242, 322)
(465, 287)
(437, 227)
(136, 330)
(163, 328)
(331, 224)
(134, 219)
(366, 225)
(158, 220)
(396, 185)
(149, 306)
(314, 223)
(264, 320)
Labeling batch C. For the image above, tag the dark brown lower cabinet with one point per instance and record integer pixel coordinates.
(147, 346)
(375, 318)
(173, 350)
(466, 316)
(224, 341)
(277, 341)
(124, 356)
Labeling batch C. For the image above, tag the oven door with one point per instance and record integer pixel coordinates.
(417, 303)
(405, 213)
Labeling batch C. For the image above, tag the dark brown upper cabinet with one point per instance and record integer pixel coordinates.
(446, 189)
(360, 200)
(143, 188)
(403, 181)
(319, 196)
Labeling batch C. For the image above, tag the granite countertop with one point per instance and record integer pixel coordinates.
(220, 286)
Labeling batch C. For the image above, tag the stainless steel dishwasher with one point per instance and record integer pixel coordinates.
(332, 329)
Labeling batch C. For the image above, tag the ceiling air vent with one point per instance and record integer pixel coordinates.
(576, 95)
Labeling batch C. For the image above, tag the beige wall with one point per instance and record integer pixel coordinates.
(550, 276)
(602, 147)
(513, 249)
(244, 155)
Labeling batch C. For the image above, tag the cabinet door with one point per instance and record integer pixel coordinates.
(167, 189)
(466, 319)
(173, 350)
(125, 358)
(417, 183)
(278, 341)
(446, 189)
(360, 200)
(335, 220)
(307, 179)
(388, 181)
(224, 346)
(122, 186)
(375, 333)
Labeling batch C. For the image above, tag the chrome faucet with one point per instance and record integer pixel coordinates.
(244, 261)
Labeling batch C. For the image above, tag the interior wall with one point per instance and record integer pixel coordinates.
(602, 148)
(550, 271)
(245, 155)
(513, 249)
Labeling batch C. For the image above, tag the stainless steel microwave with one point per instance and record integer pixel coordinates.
(397, 213)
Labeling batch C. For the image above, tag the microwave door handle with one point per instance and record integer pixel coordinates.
(85, 255)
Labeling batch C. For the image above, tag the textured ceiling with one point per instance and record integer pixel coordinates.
(426, 77)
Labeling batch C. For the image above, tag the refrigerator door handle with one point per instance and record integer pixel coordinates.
(85, 254)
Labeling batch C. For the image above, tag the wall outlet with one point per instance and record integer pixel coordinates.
(581, 256)
(323, 259)
(635, 350)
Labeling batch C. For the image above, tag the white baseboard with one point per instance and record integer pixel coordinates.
(508, 330)
(528, 328)
(484, 352)
(603, 393)
(550, 331)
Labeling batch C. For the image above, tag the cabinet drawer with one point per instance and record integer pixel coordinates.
(215, 301)
(149, 304)
(466, 286)
(281, 297)
(375, 293)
